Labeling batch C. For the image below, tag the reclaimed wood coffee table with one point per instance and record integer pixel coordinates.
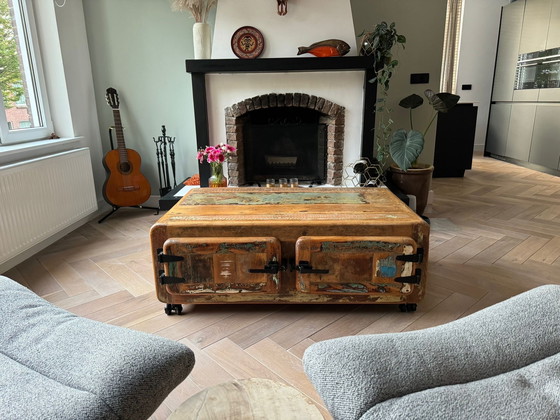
(284, 245)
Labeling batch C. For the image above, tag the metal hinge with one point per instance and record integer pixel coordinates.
(415, 258)
(415, 279)
(163, 279)
(168, 258)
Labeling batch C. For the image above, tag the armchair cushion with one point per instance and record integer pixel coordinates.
(529, 392)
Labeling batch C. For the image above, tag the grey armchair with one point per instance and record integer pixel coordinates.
(502, 362)
(56, 365)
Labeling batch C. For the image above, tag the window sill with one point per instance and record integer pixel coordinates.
(10, 153)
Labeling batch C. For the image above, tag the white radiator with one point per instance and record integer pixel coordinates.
(41, 197)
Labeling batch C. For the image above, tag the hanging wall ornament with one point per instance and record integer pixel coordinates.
(282, 7)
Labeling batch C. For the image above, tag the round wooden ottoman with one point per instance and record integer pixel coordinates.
(248, 399)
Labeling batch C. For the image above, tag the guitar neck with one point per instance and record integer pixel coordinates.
(120, 136)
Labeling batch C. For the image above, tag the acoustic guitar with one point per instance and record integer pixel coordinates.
(125, 185)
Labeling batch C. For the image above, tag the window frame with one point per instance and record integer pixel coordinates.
(25, 18)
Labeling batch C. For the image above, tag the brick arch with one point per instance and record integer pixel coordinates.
(331, 114)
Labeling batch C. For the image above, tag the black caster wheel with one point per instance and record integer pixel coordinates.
(407, 307)
(173, 309)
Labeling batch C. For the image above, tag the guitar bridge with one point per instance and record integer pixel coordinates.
(129, 188)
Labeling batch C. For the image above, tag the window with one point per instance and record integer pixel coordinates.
(23, 112)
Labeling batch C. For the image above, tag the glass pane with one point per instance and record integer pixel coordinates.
(16, 76)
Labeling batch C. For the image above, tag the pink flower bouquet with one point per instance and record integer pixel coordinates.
(216, 154)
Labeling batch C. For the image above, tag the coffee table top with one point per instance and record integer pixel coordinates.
(248, 399)
(281, 205)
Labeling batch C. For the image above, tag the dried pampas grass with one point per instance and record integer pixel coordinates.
(198, 8)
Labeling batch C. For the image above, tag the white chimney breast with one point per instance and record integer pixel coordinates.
(307, 22)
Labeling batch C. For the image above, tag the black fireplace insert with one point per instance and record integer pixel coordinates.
(285, 142)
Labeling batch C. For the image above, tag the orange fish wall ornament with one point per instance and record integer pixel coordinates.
(282, 7)
(326, 48)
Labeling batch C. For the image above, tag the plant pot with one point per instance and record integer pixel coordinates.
(416, 181)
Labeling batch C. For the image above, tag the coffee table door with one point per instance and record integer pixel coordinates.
(357, 265)
(221, 265)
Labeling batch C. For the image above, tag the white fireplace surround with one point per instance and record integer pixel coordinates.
(283, 35)
(344, 88)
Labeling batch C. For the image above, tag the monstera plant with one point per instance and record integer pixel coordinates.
(406, 145)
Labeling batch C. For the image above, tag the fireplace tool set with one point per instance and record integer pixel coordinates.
(165, 144)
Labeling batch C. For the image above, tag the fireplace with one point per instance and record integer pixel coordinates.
(333, 93)
(293, 135)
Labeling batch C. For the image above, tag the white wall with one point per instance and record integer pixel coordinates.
(479, 38)
(306, 22)
(69, 79)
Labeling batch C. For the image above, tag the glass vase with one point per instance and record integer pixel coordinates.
(217, 178)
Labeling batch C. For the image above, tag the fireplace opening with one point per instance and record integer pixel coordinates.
(285, 142)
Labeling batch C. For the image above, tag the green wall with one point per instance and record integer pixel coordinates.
(423, 24)
(139, 47)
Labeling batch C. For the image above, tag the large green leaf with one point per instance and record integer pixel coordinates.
(442, 102)
(411, 101)
(405, 147)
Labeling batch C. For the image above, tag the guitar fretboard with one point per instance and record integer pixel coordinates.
(123, 156)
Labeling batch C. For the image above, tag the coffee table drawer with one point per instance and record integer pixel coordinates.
(357, 265)
(220, 265)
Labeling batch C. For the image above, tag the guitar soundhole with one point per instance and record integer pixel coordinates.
(125, 167)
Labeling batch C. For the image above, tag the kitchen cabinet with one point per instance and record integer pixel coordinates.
(508, 50)
(520, 131)
(545, 146)
(498, 128)
(536, 21)
(553, 39)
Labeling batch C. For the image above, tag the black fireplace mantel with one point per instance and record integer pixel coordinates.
(199, 69)
(274, 65)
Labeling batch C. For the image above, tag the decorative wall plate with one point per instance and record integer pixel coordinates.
(247, 42)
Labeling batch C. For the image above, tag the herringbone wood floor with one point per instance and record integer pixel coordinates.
(495, 233)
